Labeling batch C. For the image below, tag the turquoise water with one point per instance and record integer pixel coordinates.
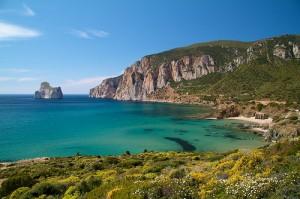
(34, 128)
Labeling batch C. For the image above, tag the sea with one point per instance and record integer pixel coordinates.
(77, 124)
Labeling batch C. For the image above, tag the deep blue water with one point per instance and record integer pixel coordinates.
(34, 128)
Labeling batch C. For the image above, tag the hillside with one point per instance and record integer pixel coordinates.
(269, 172)
(274, 81)
(266, 68)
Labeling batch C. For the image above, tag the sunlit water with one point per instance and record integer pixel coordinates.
(77, 124)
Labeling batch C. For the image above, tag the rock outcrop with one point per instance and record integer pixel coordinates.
(48, 92)
(282, 51)
(106, 89)
(277, 132)
(229, 111)
(143, 79)
(296, 51)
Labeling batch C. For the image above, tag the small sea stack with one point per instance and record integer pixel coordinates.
(48, 92)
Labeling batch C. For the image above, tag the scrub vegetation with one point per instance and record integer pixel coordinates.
(269, 172)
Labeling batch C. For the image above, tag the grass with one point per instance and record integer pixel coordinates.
(268, 172)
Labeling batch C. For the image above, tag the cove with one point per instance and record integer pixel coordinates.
(78, 124)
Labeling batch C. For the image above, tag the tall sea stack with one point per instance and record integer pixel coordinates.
(48, 92)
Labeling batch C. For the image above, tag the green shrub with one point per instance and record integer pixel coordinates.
(129, 163)
(111, 160)
(97, 166)
(293, 118)
(89, 184)
(18, 193)
(259, 107)
(154, 169)
(178, 173)
(15, 182)
(171, 189)
(46, 188)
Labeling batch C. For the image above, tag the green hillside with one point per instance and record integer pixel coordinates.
(277, 81)
(222, 51)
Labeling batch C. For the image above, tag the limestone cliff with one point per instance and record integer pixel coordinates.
(143, 79)
(106, 89)
(48, 92)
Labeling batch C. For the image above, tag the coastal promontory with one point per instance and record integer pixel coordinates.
(48, 92)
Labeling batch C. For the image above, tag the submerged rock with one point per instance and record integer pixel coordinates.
(185, 145)
(48, 92)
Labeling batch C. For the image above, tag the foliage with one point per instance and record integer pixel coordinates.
(259, 106)
(276, 81)
(15, 182)
(268, 172)
(223, 51)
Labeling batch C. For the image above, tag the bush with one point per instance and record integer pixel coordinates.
(97, 166)
(173, 189)
(15, 182)
(293, 118)
(111, 160)
(129, 163)
(178, 173)
(259, 106)
(46, 188)
(19, 192)
(89, 184)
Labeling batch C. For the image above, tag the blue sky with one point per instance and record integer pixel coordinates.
(76, 43)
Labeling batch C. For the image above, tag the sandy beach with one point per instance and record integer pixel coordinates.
(261, 126)
(265, 122)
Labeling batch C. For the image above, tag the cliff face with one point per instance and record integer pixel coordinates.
(152, 73)
(48, 92)
(106, 89)
(142, 79)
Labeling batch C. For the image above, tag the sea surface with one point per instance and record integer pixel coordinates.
(78, 124)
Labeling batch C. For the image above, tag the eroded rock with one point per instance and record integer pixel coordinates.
(48, 92)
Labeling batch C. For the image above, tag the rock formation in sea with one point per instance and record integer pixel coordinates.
(142, 80)
(48, 92)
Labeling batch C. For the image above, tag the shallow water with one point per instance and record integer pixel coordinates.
(34, 128)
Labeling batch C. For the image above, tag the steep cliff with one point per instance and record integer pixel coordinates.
(145, 78)
(106, 89)
(48, 92)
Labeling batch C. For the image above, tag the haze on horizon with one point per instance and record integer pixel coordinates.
(77, 45)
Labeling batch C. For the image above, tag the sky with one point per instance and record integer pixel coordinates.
(77, 43)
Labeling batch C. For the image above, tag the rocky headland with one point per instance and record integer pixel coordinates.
(48, 92)
(144, 79)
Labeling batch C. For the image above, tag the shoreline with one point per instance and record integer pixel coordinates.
(261, 126)
(266, 122)
(6, 164)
